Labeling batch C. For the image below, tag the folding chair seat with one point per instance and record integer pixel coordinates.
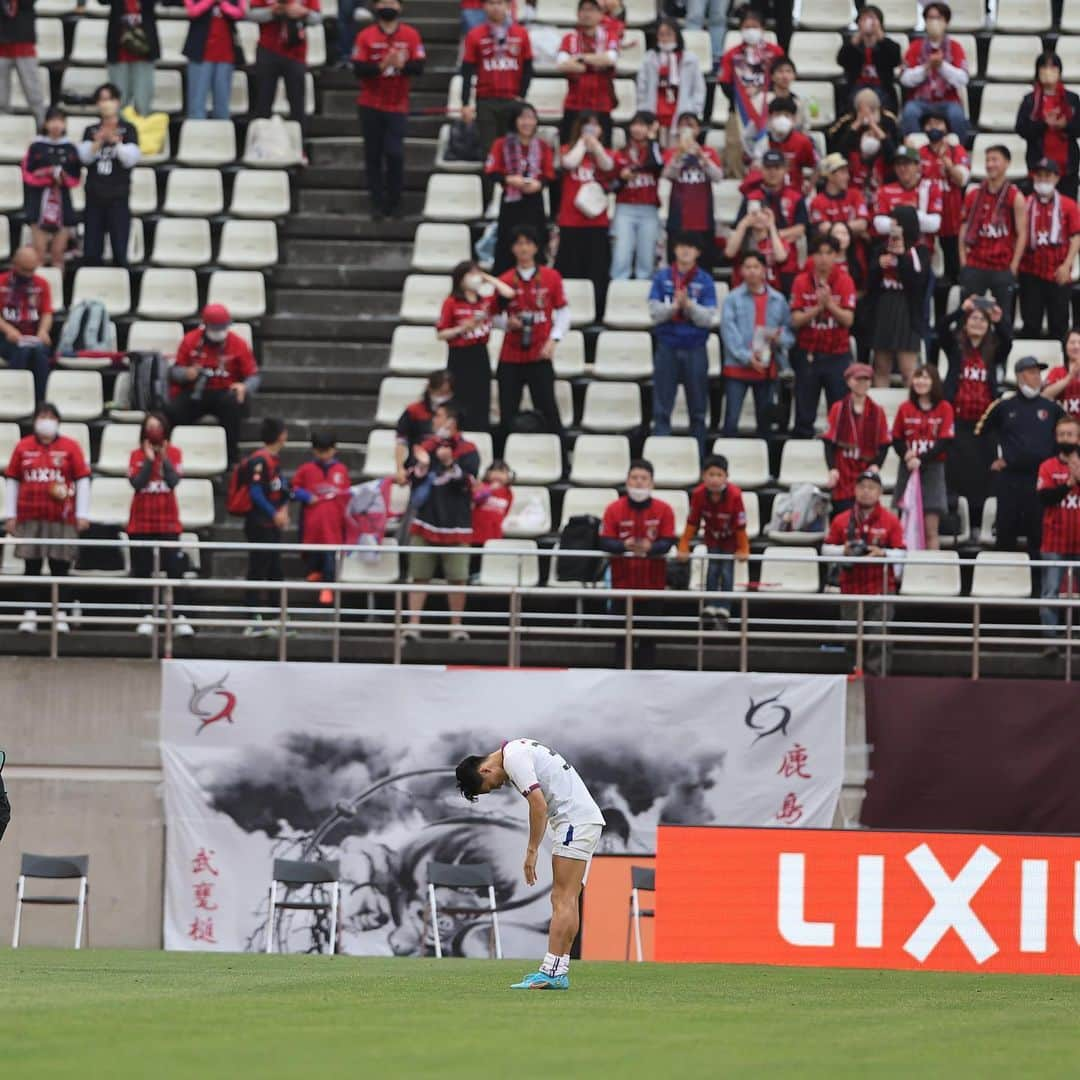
(248, 245)
(623, 354)
(748, 461)
(599, 460)
(585, 500)
(581, 299)
(931, 573)
(55, 868)
(203, 447)
(627, 305)
(802, 461)
(195, 498)
(168, 293)
(1004, 575)
(243, 292)
(529, 516)
(16, 394)
(537, 459)
(77, 394)
(790, 569)
(395, 395)
(500, 570)
(422, 297)
(148, 336)
(437, 249)
(611, 406)
(260, 193)
(16, 134)
(546, 96)
(814, 54)
(461, 876)
(453, 198)
(117, 443)
(255, 158)
(379, 459)
(1011, 58)
(415, 350)
(642, 879)
(675, 458)
(182, 242)
(110, 500)
(322, 877)
(207, 142)
(194, 193)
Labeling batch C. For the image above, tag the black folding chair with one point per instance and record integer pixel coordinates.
(295, 874)
(55, 868)
(642, 879)
(478, 876)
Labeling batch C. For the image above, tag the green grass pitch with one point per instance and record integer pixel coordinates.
(118, 1014)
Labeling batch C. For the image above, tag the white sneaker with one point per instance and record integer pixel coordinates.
(715, 611)
(258, 630)
(459, 633)
(63, 626)
(410, 633)
(145, 628)
(182, 627)
(29, 622)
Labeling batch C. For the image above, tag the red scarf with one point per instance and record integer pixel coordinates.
(858, 432)
(997, 211)
(521, 161)
(1055, 141)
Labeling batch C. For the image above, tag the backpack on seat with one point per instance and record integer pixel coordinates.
(87, 329)
(581, 533)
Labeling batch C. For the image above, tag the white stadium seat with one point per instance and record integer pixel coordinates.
(88, 44)
(814, 54)
(194, 193)
(117, 443)
(536, 459)
(243, 292)
(423, 296)
(1023, 16)
(628, 305)
(148, 336)
(182, 242)
(9, 436)
(570, 356)
(379, 459)
(195, 498)
(287, 134)
(110, 285)
(11, 188)
(1017, 169)
(415, 350)
(581, 298)
(110, 500)
(260, 193)
(623, 354)
(50, 40)
(676, 459)
(825, 14)
(55, 277)
(923, 578)
(611, 406)
(203, 447)
(598, 460)
(790, 569)
(1000, 102)
(1001, 574)
(748, 461)
(586, 500)
(802, 461)
(1048, 352)
(172, 33)
(530, 512)
(16, 394)
(168, 294)
(144, 192)
(168, 91)
(16, 134)
(79, 434)
(207, 142)
(395, 394)
(1011, 57)
(437, 249)
(77, 394)
(248, 245)
(453, 198)
(546, 96)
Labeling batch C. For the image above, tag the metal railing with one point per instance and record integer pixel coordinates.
(761, 615)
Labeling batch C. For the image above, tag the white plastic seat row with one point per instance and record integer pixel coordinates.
(186, 242)
(172, 294)
(110, 501)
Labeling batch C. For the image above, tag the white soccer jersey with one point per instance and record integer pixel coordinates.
(531, 765)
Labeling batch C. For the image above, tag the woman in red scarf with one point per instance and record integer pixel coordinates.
(1049, 121)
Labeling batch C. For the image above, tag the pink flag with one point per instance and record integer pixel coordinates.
(911, 513)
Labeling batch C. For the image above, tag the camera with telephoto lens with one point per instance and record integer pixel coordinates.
(858, 547)
(200, 385)
(527, 319)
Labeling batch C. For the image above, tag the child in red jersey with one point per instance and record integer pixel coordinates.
(492, 499)
(321, 485)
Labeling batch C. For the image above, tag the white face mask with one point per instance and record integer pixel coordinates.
(46, 427)
(443, 432)
(439, 399)
(666, 46)
(1029, 391)
(638, 494)
(216, 336)
(935, 28)
(781, 126)
(869, 145)
(1044, 188)
(473, 282)
(752, 35)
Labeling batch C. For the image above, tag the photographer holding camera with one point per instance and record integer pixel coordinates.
(215, 374)
(1058, 488)
(282, 53)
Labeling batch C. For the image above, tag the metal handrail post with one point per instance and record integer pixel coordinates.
(397, 626)
(975, 620)
(335, 644)
(1069, 581)
(513, 651)
(744, 633)
(860, 644)
(54, 630)
(628, 659)
(169, 603)
(283, 622)
(155, 604)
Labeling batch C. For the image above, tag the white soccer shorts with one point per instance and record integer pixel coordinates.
(574, 841)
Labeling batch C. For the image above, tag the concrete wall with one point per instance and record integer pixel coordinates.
(84, 777)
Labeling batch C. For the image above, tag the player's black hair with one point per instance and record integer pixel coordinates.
(715, 461)
(270, 430)
(469, 780)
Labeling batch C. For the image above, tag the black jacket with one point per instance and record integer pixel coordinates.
(886, 59)
(18, 29)
(950, 343)
(1033, 131)
(117, 14)
(913, 274)
(199, 31)
(1025, 430)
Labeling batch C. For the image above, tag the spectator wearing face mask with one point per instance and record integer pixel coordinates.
(867, 137)
(414, 424)
(870, 59)
(935, 71)
(215, 374)
(1058, 489)
(51, 170)
(1023, 426)
(669, 81)
(321, 486)
(26, 319)
(1049, 121)
(796, 146)
(465, 325)
(946, 162)
(47, 498)
(637, 201)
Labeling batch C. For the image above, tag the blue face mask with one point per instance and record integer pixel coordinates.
(935, 135)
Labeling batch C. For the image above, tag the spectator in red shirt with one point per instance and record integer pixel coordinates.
(867, 137)
(768, 190)
(909, 189)
(1063, 383)
(215, 374)
(669, 81)
(692, 170)
(492, 499)
(1050, 254)
(1058, 487)
(638, 531)
(935, 71)
(870, 59)
(923, 433)
(18, 37)
(637, 201)
(26, 319)
(1049, 121)
(498, 53)
(51, 170)
(857, 438)
(993, 233)
(132, 47)
(822, 311)
(414, 424)
(213, 52)
(838, 200)
(46, 498)
(321, 486)
(465, 325)
(282, 53)
(588, 170)
(756, 234)
(587, 57)
(796, 146)
(385, 55)
(946, 161)
(154, 469)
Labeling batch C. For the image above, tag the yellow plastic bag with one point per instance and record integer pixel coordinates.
(153, 130)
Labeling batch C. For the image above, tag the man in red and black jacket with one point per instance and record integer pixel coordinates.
(26, 318)
(282, 53)
(638, 531)
(215, 374)
(414, 424)
(267, 517)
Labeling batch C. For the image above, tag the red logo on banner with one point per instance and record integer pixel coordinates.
(948, 902)
(208, 713)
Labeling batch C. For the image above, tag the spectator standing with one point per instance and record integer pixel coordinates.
(935, 71)
(26, 319)
(132, 49)
(796, 146)
(18, 50)
(588, 170)
(47, 498)
(465, 325)
(909, 189)
(1058, 489)
(856, 439)
(414, 424)
(669, 81)
(321, 486)
(385, 56)
(838, 200)
(923, 433)
(215, 374)
(757, 234)
(282, 54)
(51, 170)
(499, 54)
(898, 282)
(682, 306)
(870, 59)
(1023, 425)
(770, 192)
(993, 233)
(1049, 255)
(637, 201)
(154, 469)
(213, 52)
(1063, 383)
(783, 78)
(946, 162)
(524, 164)
(1049, 121)
(692, 170)
(638, 531)
(491, 502)
(756, 334)
(975, 344)
(109, 150)
(868, 138)
(266, 517)
(444, 519)
(822, 312)
(718, 513)
(587, 58)
(536, 320)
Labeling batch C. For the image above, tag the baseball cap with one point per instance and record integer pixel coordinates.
(1029, 363)
(773, 157)
(216, 315)
(869, 474)
(831, 162)
(1047, 165)
(858, 371)
(907, 153)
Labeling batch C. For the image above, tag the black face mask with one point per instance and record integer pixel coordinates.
(1067, 448)
(935, 135)
(386, 14)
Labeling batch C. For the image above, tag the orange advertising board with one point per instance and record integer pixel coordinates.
(605, 909)
(825, 898)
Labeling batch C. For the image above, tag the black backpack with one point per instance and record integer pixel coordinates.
(149, 381)
(464, 143)
(581, 533)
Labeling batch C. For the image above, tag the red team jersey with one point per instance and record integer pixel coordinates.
(44, 471)
(972, 397)
(1061, 523)
(952, 197)
(570, 217)
(389, 90)
(1051, 226)
(799, 152)
(501, 162)
(323, 520)
(719, 519)
(921, 429)
(787, 205)
(642, 188)
(154, 509)
(595, 88)
(870, 429)
(823, 334)
(925, 197)
(542, 295)
(499, 58)
(627, 520)
(995, 242)
(229, 362)
(490, 507)
(1069, 398)
(848, 207)
(24, 303)
(935, 88)
(750, 66)
(457, 310)
(274, 36)
(692, 191)
(879, 528)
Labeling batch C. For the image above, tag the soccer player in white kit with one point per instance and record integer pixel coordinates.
(559, 800)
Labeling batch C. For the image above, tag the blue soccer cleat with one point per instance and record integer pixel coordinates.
(539, 981)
